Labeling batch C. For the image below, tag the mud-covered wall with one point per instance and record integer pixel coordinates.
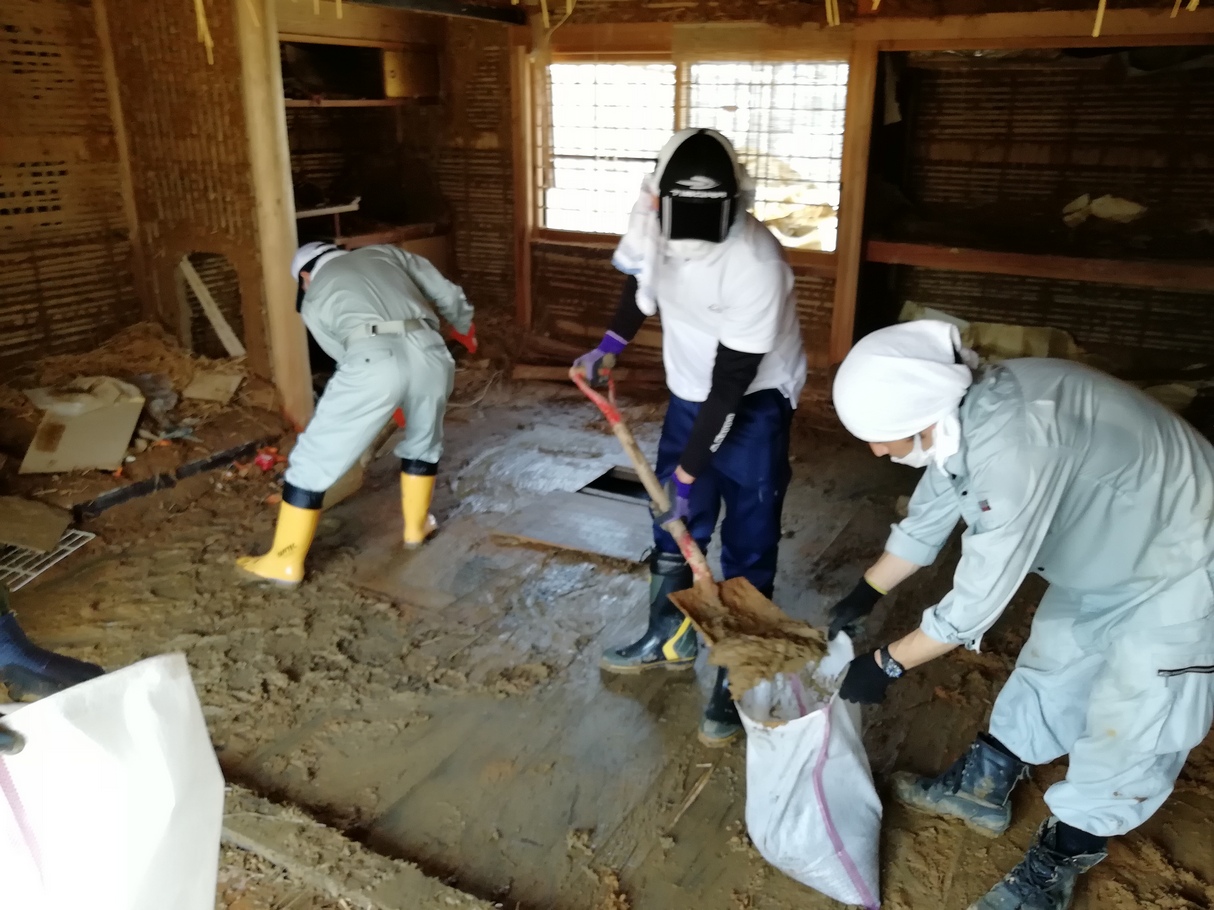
(66, 278)
(189, 150)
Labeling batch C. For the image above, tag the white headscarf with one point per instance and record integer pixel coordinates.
(309, 251)
(642, 248)
(898, 381)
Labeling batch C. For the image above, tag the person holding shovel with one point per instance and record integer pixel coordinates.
(1059, 470)
(735, 368)
(373, 311)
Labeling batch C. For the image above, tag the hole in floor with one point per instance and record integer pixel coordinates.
(618, 483)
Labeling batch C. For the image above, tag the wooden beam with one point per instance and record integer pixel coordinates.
(613, 40)
(857, 135)
(231, 343)
(1174, 276)
(510, 15)
(360, 24)
(1071, 28)
(270, 170)
(521, 102)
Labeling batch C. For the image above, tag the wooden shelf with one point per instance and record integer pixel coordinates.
(389, 235)
(1168, 275)
(347, 102)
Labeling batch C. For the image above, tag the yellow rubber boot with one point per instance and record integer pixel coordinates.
(284, 564)
(415, 493)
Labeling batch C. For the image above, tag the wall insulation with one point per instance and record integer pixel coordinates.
(189, 151)
(997, 148)
(65, 248)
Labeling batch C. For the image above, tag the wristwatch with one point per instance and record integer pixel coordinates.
(892, 668)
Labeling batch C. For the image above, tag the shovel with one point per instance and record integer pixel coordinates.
(763, 639)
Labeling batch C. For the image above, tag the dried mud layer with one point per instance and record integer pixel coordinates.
(475, 735)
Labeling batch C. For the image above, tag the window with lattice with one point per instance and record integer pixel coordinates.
(602, 125)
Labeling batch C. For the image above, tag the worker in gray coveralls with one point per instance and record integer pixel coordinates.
(373, 311)
(1059, 470)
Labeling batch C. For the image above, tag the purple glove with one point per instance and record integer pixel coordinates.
(592, 363)
(679, 494)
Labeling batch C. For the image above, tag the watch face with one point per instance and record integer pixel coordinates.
(892, 668)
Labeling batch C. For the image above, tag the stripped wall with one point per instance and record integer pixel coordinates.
(66, 278)
(475, 162)
(997, 148)
(189, 150)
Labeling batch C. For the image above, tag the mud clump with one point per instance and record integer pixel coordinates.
(749, 635)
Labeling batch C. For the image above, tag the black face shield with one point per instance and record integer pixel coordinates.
(698, 190)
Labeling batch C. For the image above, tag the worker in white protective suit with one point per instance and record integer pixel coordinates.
(1063, 471)
(373, 311)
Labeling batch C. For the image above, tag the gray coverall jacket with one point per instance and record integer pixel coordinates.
(1106, 494)
(406, 366)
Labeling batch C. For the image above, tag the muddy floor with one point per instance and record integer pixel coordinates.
(468, 728)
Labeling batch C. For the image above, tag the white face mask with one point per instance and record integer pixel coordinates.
(690, 249)
(917, 457)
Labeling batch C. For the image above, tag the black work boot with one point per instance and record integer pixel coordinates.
(28, 671)
(974, 789)
(1045, 878)
(720, 724)
(670, 641)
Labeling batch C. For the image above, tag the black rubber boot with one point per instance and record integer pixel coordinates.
(720, 724)
(28, 671)
(1045, 878)
(670, 641)
(975, 789)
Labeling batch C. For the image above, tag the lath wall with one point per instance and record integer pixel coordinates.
(189, 151)
(65, 249)
(997, 150)
(576, 290)
(475, 164)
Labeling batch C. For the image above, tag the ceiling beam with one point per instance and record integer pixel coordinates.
(511, 15)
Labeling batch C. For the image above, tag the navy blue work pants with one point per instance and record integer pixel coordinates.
(748, 474)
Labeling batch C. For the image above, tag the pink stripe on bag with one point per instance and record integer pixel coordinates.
(9, 789)
(866, 896)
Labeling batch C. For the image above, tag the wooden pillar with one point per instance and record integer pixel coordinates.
(857, 135)
(523, 128)
(269, 156)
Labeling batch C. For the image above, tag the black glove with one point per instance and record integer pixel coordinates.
(851, 609)
(866, 681)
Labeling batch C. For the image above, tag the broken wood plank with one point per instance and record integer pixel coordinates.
(524, 371)
(231, 343)
(587, 524)
(30, 524)
(1180, 276)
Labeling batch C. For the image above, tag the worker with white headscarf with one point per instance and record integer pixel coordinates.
(735, 367)
(1059, 470)
(373, 311)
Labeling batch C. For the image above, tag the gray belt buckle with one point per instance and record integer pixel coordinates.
(375, 329)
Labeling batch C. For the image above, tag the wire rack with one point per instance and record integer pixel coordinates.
(19, 566)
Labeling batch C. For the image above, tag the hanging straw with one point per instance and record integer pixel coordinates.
(253, 12)
(338, 9)
(204, 31)
(1099, 19)
(876, 3)
(1176, 9)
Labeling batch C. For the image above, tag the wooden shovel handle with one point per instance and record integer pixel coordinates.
(675, 527)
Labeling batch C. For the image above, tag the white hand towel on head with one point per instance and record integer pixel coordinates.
(900, 380)
(639, 248)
